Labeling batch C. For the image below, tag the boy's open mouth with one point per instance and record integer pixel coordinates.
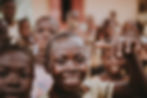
(72, 79)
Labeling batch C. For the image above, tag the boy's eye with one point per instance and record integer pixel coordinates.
(3, 73)
(61, 61)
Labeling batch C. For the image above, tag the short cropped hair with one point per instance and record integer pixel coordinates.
(16, 47)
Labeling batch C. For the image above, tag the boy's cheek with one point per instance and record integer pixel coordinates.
(57, 69)
(26, 84)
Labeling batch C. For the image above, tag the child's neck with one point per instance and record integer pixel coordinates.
(57, 92)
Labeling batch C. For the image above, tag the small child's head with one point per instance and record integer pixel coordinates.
(111, 62)
(8, 9)
(24, 28)
(67, 61)
(45, 30)
(130, 29)
(113, 14)
(44, 27)
(16, 72)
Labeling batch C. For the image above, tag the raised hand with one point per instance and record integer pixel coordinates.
(128, 47)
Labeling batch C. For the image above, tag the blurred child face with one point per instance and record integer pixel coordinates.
(9, 9)
(44, 30)
(112, 63)
(44, 33)
(15, 75)
(68, 63)
(25, 29)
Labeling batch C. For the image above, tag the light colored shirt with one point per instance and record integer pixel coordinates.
(13, 33)
(97, 89)
(42, 82)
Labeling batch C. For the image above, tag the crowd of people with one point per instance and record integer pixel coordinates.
(75, 59)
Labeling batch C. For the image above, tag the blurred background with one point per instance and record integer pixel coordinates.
(100, 9)
(97, 22)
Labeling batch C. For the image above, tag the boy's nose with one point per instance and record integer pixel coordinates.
(70, 64)
(13, 81)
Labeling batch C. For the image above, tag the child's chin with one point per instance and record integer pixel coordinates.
(71, 88)
(72, 85)
(72, 82)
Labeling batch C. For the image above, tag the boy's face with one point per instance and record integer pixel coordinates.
(112, 63)
(9, 10)
(68, 64)
(16, 75)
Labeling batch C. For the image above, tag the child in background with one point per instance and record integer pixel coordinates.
(143, 56)
(113, 65)
(46, 28)
(25, 33)
(8, 8)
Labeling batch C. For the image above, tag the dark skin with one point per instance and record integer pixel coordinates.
(9, 10)
(25, 29)
(43, 34)
(137, 86)
(16, 74)
(44, 30)
(68, 66)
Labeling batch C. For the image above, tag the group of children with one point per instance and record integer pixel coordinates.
(45, 55)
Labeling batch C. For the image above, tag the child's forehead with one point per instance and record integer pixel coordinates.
(72, 42)
(68, 46)
(15, 55)
(15, 58)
